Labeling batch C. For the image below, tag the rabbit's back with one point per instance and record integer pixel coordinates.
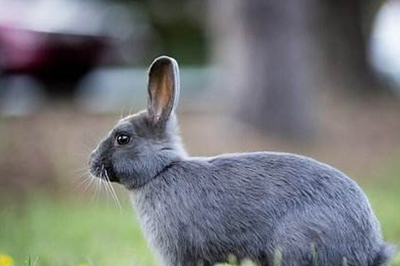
(255, 205)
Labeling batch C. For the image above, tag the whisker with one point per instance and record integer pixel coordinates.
(98, 185)
(84, 179)
(122, 113)
(110, 189)
(103, 177)
(92, 179)
(87, 146)
(85, 174)
(81, 169)
(114, 195)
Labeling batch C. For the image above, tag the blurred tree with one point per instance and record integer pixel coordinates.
(275, 54)
(177, 28)
(343, 33)
(266, 51)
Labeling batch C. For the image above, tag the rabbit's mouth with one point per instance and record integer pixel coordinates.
(103, 172)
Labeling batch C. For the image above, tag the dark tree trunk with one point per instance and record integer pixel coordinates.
(343, 37)
(276, 54)
(265, 49)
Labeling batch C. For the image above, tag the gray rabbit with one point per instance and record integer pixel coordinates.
(262, 206)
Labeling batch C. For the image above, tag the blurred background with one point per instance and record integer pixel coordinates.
(316, 77)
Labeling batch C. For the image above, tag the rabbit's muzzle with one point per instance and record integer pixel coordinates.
(99, 167)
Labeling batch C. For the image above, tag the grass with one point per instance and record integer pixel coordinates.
(71, 231)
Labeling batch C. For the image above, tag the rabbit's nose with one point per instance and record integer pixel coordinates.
(92, 157)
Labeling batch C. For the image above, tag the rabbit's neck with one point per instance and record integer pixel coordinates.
(160, 155)
(174, 138)
(148, 169)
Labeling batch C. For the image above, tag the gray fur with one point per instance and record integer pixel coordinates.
(250, 205)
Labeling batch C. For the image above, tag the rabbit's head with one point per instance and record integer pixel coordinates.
(144, 144)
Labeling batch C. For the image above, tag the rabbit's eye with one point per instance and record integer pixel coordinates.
(122, 139)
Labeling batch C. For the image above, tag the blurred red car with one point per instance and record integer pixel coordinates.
(55, 41)
(50, 57)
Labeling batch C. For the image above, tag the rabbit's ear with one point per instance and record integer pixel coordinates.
(163, 88)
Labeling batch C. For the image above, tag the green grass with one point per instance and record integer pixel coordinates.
(68, 231)
(58, 232)
(383, 191)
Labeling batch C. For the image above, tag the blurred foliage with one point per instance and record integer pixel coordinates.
(177, 28)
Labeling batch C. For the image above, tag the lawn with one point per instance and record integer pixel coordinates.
(68, 231)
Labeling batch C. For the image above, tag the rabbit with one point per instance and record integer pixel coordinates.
(269, 207)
